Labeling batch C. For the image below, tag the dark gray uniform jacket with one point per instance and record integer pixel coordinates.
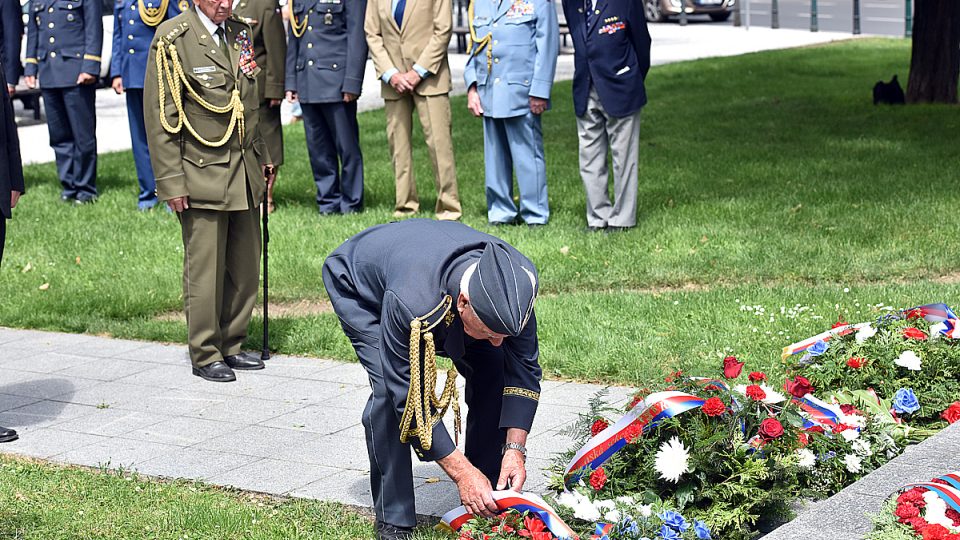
(11, 170)
(330, 56)
(384, 277)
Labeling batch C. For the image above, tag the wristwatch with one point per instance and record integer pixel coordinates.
(515, 446)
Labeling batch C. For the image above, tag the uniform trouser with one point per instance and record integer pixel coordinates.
(333, 142)
(3, 235)
(391, 470)
(141, 154)
(597, 131)
(515, 144)
(271, 131)
(434, 113)
(72, 122)
(221, 273)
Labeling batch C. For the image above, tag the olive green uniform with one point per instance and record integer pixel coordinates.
(214, 158)
(270, 45)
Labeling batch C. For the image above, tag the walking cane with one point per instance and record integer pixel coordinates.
(265, 354)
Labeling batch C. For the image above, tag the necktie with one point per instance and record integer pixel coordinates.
(588, 9)
(223, 43)
(398, 12)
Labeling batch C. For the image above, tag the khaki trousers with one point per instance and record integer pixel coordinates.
(221, 275)
(434, 113)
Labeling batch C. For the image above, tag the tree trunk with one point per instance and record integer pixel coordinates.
(935, 62)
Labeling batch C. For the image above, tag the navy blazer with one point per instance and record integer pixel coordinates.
(64, 39)
(613, 54)
(11, 32)
(329, 57)
(131, 40)
(384, 277)
(11, 170)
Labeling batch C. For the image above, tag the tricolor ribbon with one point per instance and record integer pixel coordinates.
(949, 493)
(817, 412)
(825, 337)
(644, 416)
(602, 530)
(521, 502)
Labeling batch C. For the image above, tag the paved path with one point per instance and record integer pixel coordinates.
(671, 43)
(291, 429)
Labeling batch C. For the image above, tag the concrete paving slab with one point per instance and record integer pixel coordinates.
(111, 394)
(244, 409)
(45, 413)
(110, 422)
(105, 369)
(49, 363)
(48, 442)
(264, 442)
(158, 353)
(10, 401)
(338, 449)
(42, 386)
(436, 498)
(307, 392)
(106, 348)
(274, 476)
(178, 402)
(114, 453)
(315, 419)
(194, 464)
(347, 487)
(183, 431)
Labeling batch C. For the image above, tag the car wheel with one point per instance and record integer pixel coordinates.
(720, 17)
(651, 9)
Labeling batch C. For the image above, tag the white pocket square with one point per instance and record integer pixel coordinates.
(623, 70)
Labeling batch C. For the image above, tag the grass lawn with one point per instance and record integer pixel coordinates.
(768, 179)
(40, 501)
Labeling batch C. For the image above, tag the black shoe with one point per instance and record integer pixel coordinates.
(243, 361)
(386, 531)
(7, 435)
(215, 372)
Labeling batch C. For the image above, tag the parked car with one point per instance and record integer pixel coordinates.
(107, 38)
(661, 10)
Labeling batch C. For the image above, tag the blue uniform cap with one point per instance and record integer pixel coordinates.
(502, 291)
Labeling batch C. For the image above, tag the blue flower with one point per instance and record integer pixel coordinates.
(905, 401)
(674, 520)
(666, 533)
(818, 348)
(703, 532)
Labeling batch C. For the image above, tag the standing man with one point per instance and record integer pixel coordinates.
(325, 65)
(611, 59)
(11, 180)
(64, 40)
(270, 47)
(406, 292)
(11, 31)
(211, 165)
(508, 78)
(134, 23)
(408, 42)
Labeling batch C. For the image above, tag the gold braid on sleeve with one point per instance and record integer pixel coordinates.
(170, 69)
(478, 44)
(418, 421)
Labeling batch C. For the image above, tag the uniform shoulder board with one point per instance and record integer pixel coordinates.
(175, 31)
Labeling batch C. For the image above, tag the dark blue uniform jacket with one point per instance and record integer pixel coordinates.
(64, 39)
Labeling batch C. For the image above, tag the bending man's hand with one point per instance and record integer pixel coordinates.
(475, 491)
(513, 469)
(178, 204)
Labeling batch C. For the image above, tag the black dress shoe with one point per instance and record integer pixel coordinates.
(243, 361)
(386, 531)
(215, 372)
(7, 435)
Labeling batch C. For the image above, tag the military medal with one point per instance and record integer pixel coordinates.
(248, 62)
(328, 18)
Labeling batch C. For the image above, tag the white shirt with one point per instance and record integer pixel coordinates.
(210, 26)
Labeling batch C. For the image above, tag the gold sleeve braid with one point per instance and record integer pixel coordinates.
(167, 57)
(420, 399)
(478, 44)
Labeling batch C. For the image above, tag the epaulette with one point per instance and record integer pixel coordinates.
(175, 32)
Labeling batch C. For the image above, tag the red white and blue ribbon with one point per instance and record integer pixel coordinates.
(949, 493)
(521, 502)
(602, 530)
(641, 418)
(802, 346)
(938, 313)
(817, 412)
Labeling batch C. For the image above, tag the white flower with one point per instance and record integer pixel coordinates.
(625, 499)
(772, 396)
(645, 510)
(605, 504)
(855, 420)
(850, 434)
(909, 360)
(935, 511)
(865, 332)
(612, 516)
(853, 463)
(937, 330)
(862, 447)
(807, 458)
(580, 504)
(672, 460)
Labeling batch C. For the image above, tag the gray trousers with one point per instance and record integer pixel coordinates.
(597, 131)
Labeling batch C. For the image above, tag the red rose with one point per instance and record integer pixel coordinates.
(798, 387)
(771, 428)
(856, 362)
(757, 376)
(732, 368)
(598, 426)
(913, 333)
(803, 438)
(598, 478)
(906, 511)
(935, 532)
(913, 496)
(952, 413)
(914, 314)
(713, 407)
(633, 431)
(756, 393)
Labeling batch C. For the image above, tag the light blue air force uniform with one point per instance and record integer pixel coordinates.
(131, 45)
(518, 62)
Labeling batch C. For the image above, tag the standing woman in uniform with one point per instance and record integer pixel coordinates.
(270, 48)
(64, 40)
(134, 23)
(325, 62)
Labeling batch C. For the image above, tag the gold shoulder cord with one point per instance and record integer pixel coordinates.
(298, 28)
(152, 16)
(476, 45)
(177, 79)
(421, 399)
